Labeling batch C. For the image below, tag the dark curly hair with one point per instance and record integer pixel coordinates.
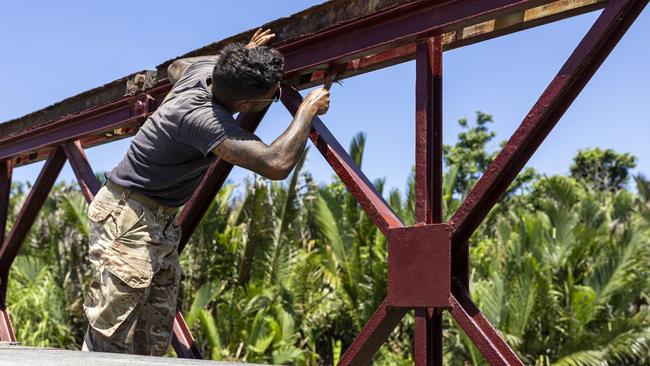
(246, 73)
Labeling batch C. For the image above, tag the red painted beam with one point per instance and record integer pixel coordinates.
(428, 132)
(556, 99)
(6, 169)
(389, 29)
(211, 183)
(428, 181)
(488, 341)
(122, 112)
(372, 336)
(6, 329)
(87, 181)
(28, 213)
(183, 342)
(357, 183)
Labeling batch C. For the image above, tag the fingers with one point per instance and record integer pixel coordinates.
(260, 38)
(320, 98)
(262, 33)
(264, 40)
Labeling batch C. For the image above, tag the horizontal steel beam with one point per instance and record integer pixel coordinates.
(366, 44)
(386, 30)
(129, 111)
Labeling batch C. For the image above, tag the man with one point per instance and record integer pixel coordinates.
(131, 302)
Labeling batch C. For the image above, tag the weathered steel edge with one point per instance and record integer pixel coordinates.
(304, 24)
(92, 98)
(301, 24)
(291, 31)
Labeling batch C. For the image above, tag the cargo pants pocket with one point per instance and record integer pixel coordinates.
(110, 302)
(122, 262)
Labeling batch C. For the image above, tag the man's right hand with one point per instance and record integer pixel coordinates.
(319, 100)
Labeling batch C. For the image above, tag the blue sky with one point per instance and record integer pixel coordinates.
(54, 50)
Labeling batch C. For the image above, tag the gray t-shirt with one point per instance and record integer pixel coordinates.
(172, 150)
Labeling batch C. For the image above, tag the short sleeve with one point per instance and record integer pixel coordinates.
(193, 74)
(206, 127)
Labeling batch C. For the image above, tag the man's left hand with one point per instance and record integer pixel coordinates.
(260, 38)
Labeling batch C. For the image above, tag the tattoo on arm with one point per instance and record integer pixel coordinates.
(273, 161)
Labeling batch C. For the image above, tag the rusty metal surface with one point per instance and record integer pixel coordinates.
(304, 23)
(423, 259)
(89, 99)
(428, 192)
(427, 345)
(6, 330)
(304, 28)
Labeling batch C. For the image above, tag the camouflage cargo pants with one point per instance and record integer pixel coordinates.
(131, 301)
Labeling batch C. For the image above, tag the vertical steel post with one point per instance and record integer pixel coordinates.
(6, 169)
(428, 181)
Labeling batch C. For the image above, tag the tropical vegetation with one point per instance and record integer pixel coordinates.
(288, 272)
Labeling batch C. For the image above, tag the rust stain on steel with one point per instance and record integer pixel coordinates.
(428, 132)
(419, 256)
(293, 31)
(70, 106)
(306, 23)
(123, 112)
(6, 170)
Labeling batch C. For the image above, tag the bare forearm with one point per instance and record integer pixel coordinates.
(275, 161)
(288, 147)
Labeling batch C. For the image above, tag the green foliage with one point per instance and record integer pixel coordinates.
(287, 273)
(470, 155)
(602, 169)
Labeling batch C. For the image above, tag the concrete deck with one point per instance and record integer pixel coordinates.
(12, 355)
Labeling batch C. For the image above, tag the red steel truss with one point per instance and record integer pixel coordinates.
(428, 261)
